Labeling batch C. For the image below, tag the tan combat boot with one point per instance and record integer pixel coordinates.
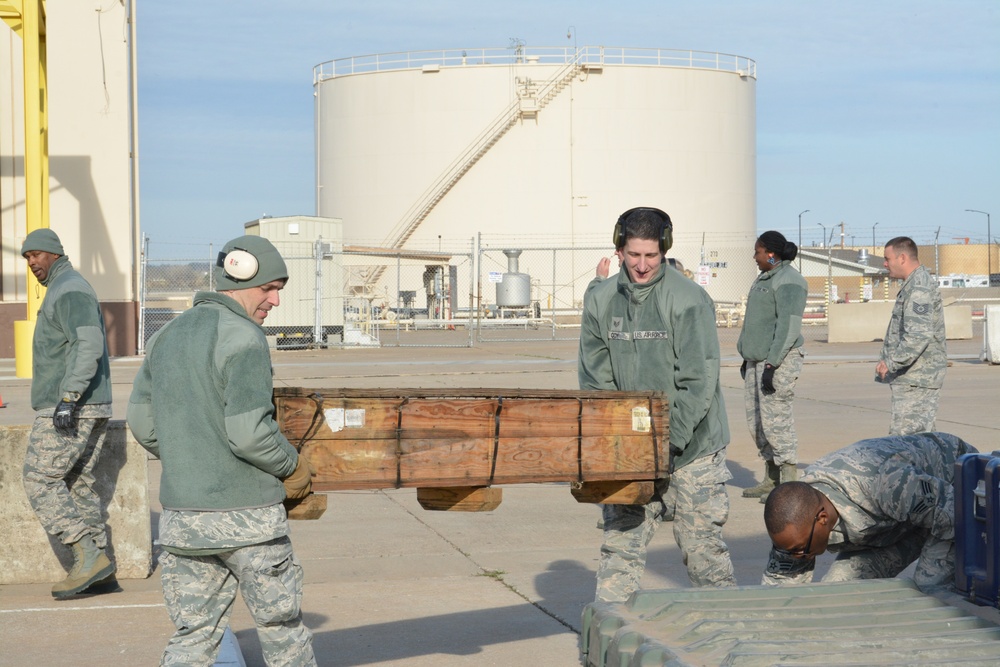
(90, 565)
(772, 475)
(787, 472)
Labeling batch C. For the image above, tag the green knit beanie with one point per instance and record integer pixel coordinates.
(248, 261)
(42, 239)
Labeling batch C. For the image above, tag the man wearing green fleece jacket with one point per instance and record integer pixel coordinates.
(654, 329)
(201, 403)
(71, 394)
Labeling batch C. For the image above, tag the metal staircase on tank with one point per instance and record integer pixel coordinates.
(531, 99)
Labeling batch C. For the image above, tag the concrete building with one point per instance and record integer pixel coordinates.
(539, 143)
(92, 153)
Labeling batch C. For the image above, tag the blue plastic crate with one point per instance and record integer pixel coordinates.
(977, 527)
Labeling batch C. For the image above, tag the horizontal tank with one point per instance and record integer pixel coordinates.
(560, 141)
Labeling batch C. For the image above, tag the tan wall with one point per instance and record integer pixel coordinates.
(34, 557)
(90, 200)
(959, 258)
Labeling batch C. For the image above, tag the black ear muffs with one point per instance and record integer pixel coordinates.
(666, 236)
(238, 264)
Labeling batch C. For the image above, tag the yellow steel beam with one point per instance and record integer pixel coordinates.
(10, 13)
(27, 19)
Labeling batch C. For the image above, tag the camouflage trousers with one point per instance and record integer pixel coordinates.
(59, 480)
(695, 497)
(770, 417)
(935, 561)
(914, 409)
(200, 590)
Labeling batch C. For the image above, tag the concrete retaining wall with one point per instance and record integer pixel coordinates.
(992, 334)
(28, 555)
(863, 322)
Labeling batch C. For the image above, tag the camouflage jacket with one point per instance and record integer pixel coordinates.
(188, 533)
(914, 345)
(882, 488)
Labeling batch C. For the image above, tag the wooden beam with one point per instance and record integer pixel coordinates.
(613, 493)
(375, 439)
(460, 499)
(309, 508)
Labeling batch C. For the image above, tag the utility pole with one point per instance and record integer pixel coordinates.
(800, 238)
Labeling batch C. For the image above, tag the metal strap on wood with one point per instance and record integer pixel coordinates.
(496, 438)
(315, 422)
(399, 442)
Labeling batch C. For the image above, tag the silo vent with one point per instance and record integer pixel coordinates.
(512, 256)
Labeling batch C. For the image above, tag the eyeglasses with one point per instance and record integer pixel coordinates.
(800, 553)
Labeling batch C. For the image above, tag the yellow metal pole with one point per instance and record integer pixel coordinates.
(36, 163)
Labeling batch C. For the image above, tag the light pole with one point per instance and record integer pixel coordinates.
(800, 239)
(874, 247)
(989, 242)
(829, 269)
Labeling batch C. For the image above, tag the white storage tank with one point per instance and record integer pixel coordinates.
(532, 142)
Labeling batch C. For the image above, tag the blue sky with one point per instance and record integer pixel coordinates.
(867, 112)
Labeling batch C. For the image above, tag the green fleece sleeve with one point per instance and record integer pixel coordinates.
(594, 361)
(139, 415)
(253, 433)
(696, 370)
(790, 303)
(80, 317)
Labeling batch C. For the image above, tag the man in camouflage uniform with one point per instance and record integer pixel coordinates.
(878, 504)
(201, 403)
(913, 358)
(654, 329)
(71, 394)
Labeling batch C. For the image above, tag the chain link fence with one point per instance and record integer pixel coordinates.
(503, 290)
(335, 297)
(536, 293)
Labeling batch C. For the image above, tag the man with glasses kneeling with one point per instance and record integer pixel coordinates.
(878, 504)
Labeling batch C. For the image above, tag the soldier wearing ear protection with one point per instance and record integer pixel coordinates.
(202, 404)
(654, 329)
(771, 346)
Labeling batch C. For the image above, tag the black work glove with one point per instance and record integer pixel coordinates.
(743, 369)
(62, 418)
(767, 380)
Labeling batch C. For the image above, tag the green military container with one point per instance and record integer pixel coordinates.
(875, 622)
